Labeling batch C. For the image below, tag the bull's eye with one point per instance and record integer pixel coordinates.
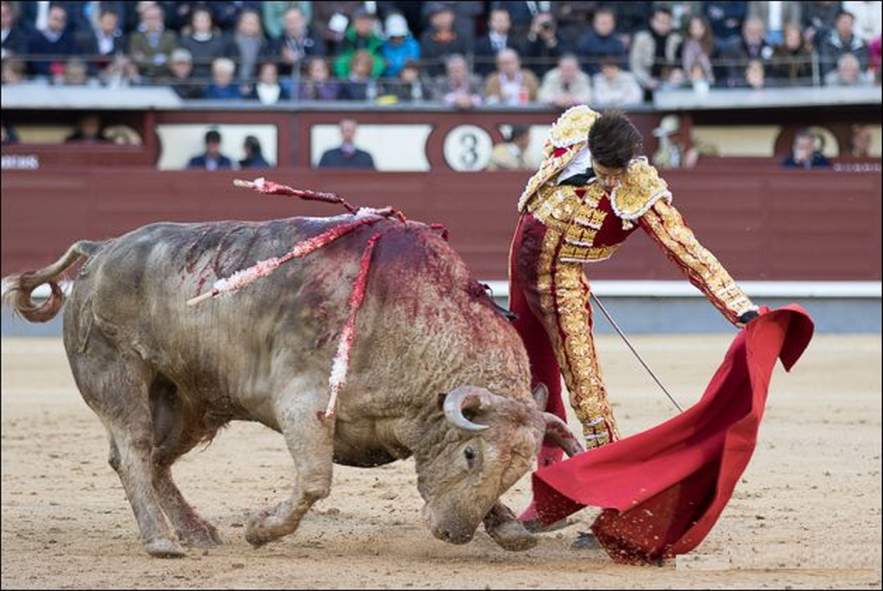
(469, 454)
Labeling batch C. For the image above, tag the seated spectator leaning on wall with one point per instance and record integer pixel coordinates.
(860, 141)
(459, 87)
(13, 35)
(655, 51)
(673, 151)
(840, 41)
(750, 46)
(848, 73)
(793, 58)
(360, 37)
(211, 159)
(88, 131)
(544, 45)
(347, 155)
(613, 87)
(151, 45)
(512, 154)
(267, 89)
(510, 84)
(497, 39)
(254, 157)
(223, 86)
(698, 50)
(359, 85)
(51, 46)
(407, 88)
(400, 46)
(804, 153)
(316, 84)
(566, 85)
(600, 41)
(440, 39)
(181, 69)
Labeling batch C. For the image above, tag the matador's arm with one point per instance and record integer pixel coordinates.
(667, 228)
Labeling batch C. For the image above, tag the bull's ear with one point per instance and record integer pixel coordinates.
(441, 400)
(541, 395)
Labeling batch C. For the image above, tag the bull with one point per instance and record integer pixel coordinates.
(436, 371)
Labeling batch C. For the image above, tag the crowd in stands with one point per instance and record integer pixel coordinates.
(463, 54)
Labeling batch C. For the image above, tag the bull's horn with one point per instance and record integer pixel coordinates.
(541, 395)
(460, 399)
(558, 434)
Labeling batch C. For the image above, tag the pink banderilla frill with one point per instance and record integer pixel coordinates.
(340, 365)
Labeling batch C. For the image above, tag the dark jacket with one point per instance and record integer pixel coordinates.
(541, 58)
(204, 52)
(256, 161)
(592, 46)
(336, 158)
(16, 42)
(739, 52)
(433, 51)
(818, 161)
(310, 45)
(832, 47)
(485, 53)
(725, 18)
(39, 44)
(202, 161)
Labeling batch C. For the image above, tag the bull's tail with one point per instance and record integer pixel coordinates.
(15, 290)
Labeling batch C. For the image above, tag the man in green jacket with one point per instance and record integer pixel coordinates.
(360, 35)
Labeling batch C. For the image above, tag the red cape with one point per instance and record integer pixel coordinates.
(663, 490)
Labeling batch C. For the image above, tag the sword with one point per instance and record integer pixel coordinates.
(630, 346)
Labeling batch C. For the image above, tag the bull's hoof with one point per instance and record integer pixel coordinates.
(204, 535)
(535, 526)
(256, 533)
(164, 548)
(512, 536)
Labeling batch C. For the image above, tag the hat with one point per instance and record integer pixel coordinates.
(181, 55)
(670, 124)
(396, 26)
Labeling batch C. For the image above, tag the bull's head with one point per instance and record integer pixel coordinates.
(481, 447)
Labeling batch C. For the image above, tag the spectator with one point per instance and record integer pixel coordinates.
(226, 14)
(54, 42)
(615, 88)
(181, 69)
(698, 50)
(205, 43)
(459, 88)
(521, 14)
(105, 40)
(511, 155)
(122, 72)
(726, 18)
(792, 61)
(211, 159)
(273, 15)
(566, 85)
(573, 18)
(804, 153)
(360, 37)
(400, 46)
(317, 85)
(754, 76)
(88, 131)
(867, 18)
(775, 15)
(347, 155)
(360, 86)
(465, 14)
(848, 72)
(76, 73)
(600, 41)
(440, 39)
(267, 89)
(296, 44)
(860, 141)
(510, 84)
(151, 45)
(14, 39)
(817, 18)
(673, 151)
(330, 20)
(874, 58)
(249, 44)
(254, 157)
(750, 46)
(544, 45)
(8, 135)
(13, 71)
(655, 51)
(497, 39)
(223, 86)
(407, 87)
(840, 41)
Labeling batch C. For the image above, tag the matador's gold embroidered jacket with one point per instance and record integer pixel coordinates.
(594, 222)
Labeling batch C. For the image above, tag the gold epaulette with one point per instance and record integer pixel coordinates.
(640, 188)
(570, 133)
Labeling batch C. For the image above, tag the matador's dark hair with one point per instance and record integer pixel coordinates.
(613, 140)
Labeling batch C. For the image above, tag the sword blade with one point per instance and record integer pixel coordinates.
(634, 351)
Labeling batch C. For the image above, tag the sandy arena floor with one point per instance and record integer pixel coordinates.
(807, 513)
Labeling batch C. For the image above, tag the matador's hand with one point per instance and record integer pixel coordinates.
(747, 317)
